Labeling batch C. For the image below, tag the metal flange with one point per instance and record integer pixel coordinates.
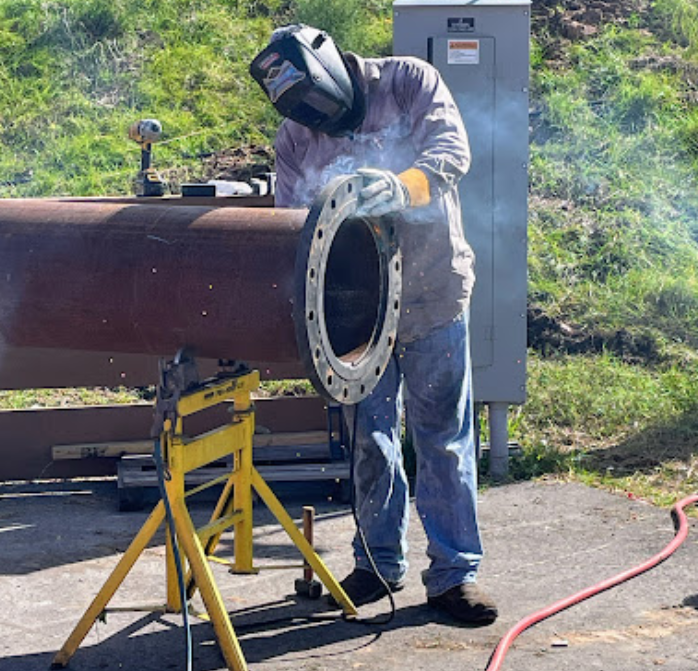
(348, 291)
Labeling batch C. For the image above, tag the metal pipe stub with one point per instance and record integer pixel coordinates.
(348, 291)
(318, 287)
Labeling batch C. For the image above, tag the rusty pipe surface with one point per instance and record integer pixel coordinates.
(259, 284)
(148, 279)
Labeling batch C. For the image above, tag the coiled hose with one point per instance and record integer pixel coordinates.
(681, 528)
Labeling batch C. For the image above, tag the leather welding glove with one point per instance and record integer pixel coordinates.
(384, 192)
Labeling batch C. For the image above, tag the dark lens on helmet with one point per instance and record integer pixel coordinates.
(322, 103)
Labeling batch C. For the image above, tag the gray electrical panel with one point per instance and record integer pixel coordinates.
(481, 49)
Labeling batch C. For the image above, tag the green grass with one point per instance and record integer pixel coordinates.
(75, 75)
(613, 180)
(678, 20)
(613, 230)
(27, 399)
(615, 197)
(594, 402)
(363, 26)
(286, 388)
(624, 427)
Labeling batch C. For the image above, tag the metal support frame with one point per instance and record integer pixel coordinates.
(233, 510)
(499, 440)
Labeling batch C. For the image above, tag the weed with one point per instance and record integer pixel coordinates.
(679, 20)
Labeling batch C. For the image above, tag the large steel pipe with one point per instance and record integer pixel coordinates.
(260, 284)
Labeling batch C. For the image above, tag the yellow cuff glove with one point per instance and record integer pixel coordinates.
(384, 192)
(417, 185)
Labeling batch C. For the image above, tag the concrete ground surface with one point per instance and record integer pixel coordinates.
(544, 541)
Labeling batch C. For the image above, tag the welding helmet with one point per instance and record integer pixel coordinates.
(307, 79)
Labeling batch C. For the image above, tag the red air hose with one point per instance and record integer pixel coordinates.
(681, 527)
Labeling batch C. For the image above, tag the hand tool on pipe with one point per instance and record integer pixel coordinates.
(146, 132)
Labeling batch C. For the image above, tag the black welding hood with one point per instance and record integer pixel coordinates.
(308, 80)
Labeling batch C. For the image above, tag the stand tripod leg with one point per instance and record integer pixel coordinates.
(224, 507)
(307, 550)
(99, 603)
(203, 577)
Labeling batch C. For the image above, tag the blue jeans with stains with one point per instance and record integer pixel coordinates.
(436, 374)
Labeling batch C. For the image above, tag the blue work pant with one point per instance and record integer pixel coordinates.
(436, 375)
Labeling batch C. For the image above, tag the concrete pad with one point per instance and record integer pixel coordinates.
(544, 541)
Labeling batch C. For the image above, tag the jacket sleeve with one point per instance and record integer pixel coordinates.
(287, 171)
(438, 132)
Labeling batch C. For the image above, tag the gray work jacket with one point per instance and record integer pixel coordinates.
(411, 121)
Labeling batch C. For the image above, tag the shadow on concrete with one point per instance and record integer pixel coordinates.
(282, 632)
(40, 522)
(691, 602)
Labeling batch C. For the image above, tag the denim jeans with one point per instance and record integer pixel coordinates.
(436, 374)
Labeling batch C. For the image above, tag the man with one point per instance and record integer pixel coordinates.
(394, 122)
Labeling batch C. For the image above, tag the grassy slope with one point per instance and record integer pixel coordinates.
(613, 231)
(614, 206)
(74, 74)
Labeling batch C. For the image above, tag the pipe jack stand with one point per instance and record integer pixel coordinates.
(179, 396)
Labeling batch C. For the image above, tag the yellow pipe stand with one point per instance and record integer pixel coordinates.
(234, 509)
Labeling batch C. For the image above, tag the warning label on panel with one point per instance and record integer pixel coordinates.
(463, 52)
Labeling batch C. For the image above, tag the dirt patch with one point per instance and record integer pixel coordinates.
(664, 455)
(240, 164)
(574, 20)
(550, 336)
(657, 625)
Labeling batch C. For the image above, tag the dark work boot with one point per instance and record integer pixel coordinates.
(364, 587)
(466, 603)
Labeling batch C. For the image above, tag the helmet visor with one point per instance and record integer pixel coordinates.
(306, 78)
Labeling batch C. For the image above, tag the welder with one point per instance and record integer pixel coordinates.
(393, 121)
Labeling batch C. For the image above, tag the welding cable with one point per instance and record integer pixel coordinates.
(362, 537)
(373, 621)
(681, 531)
(160, 469)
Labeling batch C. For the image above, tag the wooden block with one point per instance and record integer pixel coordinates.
(301, 439)
(110, 449)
